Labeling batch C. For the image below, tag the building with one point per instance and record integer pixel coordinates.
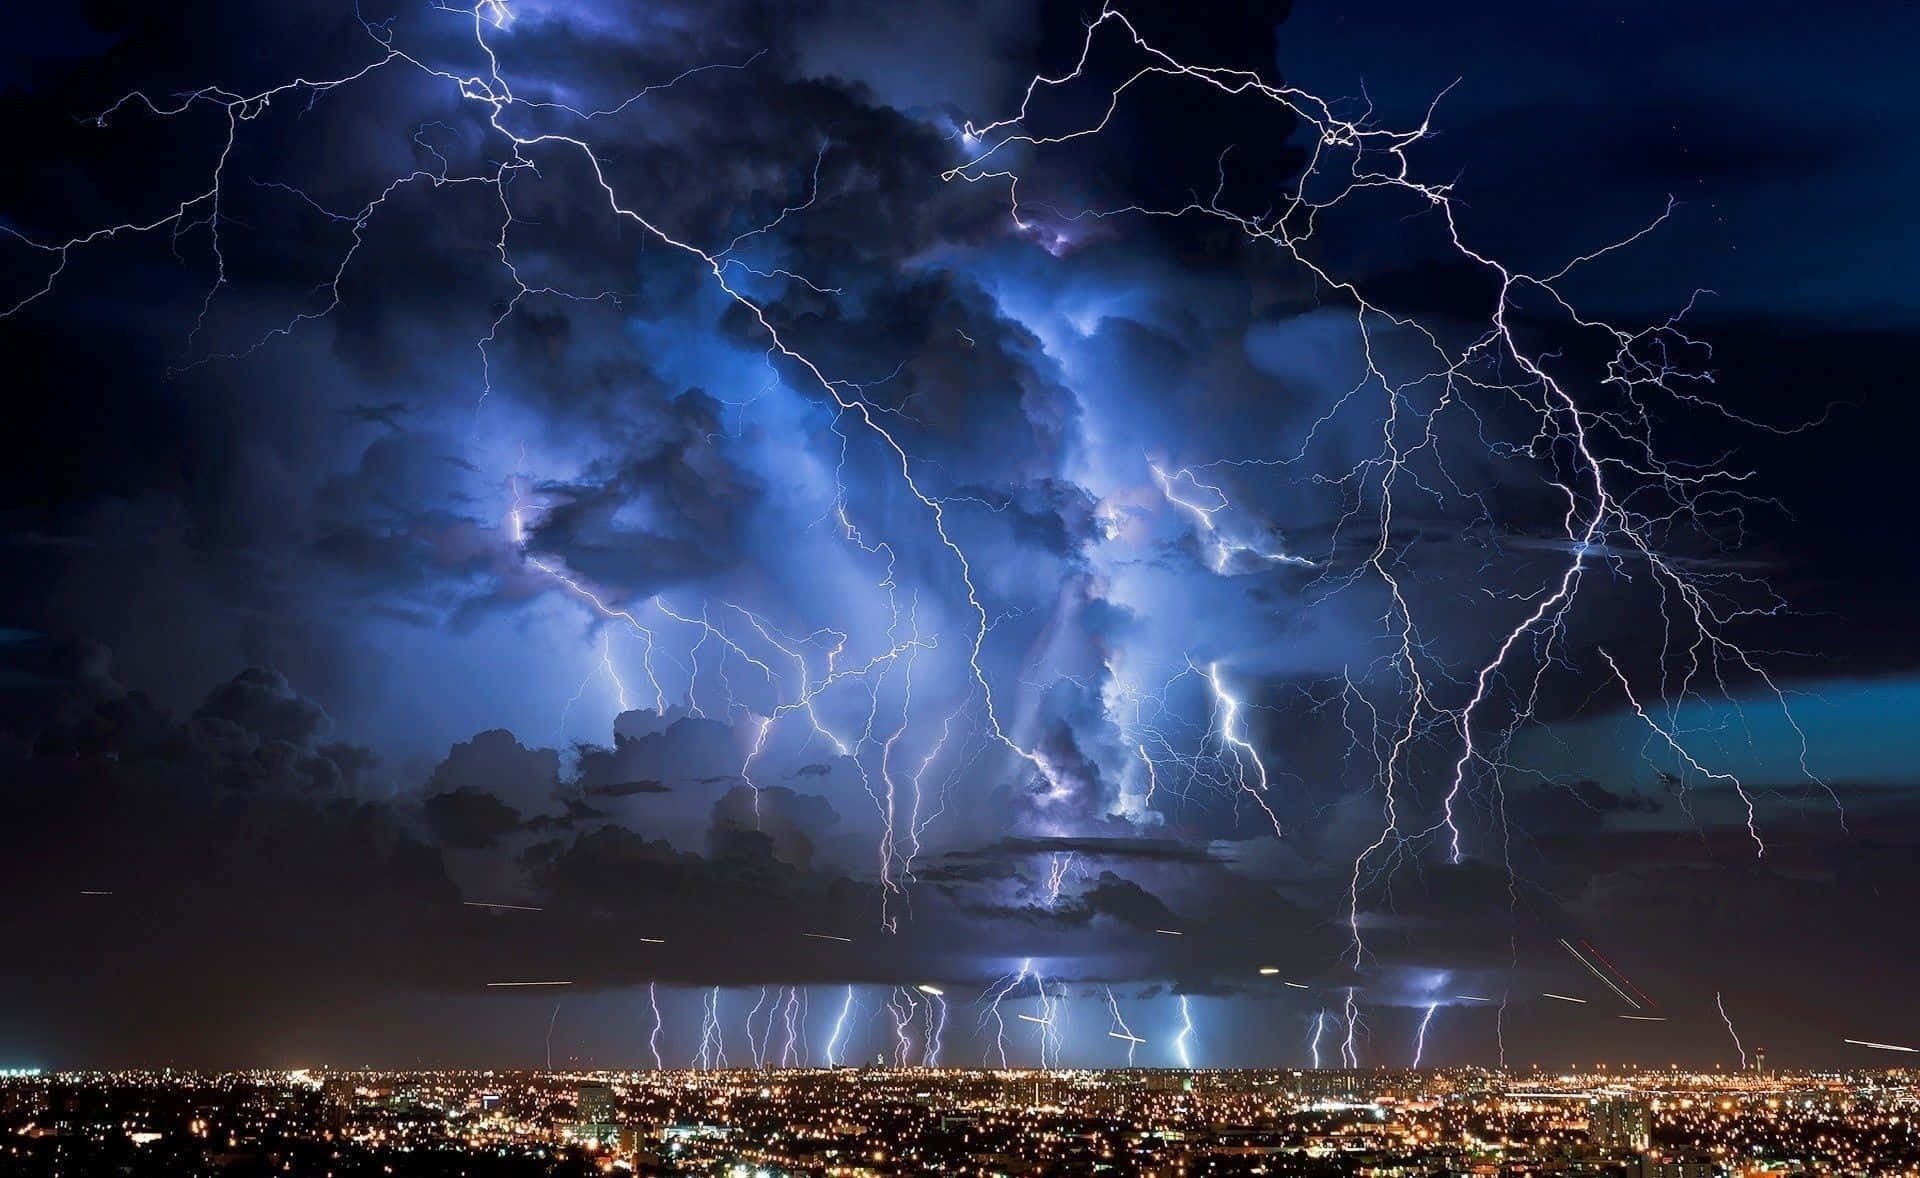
(1690, 1165)
(1618, 1125)
(1760, 1061)
(596, 1120)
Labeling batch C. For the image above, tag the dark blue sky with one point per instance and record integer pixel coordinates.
(808, 540)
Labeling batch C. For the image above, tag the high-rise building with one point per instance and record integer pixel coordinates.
(596, 1121)
(1618, 1125)
(1760, 1060)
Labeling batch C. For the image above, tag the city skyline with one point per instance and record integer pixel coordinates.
(984, 534)
(872, 1122)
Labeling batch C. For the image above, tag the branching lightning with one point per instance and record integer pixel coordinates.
(518, 148)
(793, 1051)
(713, 1052)
(1592, 441)
(1350, 1046)
(1622, 499)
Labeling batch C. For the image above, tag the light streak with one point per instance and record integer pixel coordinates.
(1169, 932)
(1733, 1034)
(1562, 997)
(89, 892)
(1615, 971)
(1184, 1035)
(1420, 1037)
(1295, 985)
(1595, 971)
(1267, 971)
(1879, 1046)
(1033, 1018)
(477, 904)
(1472, 998)
(1645, 1018)
(651, 940)
(837, 1038)
(933, 990)
(828, 937)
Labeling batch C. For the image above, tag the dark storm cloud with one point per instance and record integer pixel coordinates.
(496, 763)
(1110, 896)
(469, 818)
(355, 505)
(1577, 806)
(626, 789)
(787, 822)
(1166, 850)
(680, 494)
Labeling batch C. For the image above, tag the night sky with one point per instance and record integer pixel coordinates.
(655, 467)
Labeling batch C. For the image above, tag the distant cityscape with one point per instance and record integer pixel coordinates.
(879, 1122)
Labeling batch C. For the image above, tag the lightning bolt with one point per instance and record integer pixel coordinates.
(936, 1026)
(792, 1053)
(838, 1038)
(523, 134)
(1420, 1037)
(758, 1052)
(1184, 1035)
(1057, 866)
(902, 1008)
(1048, 1021)
(1621, 497)
(713, 1051)
(1349, 1047)
(1222, 549)
(1733, 1034)
(653, 1038)
(1592, 438)
(1313, 1044)
(1120, 1028)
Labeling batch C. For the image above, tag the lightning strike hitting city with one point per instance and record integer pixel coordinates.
(998, 587)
